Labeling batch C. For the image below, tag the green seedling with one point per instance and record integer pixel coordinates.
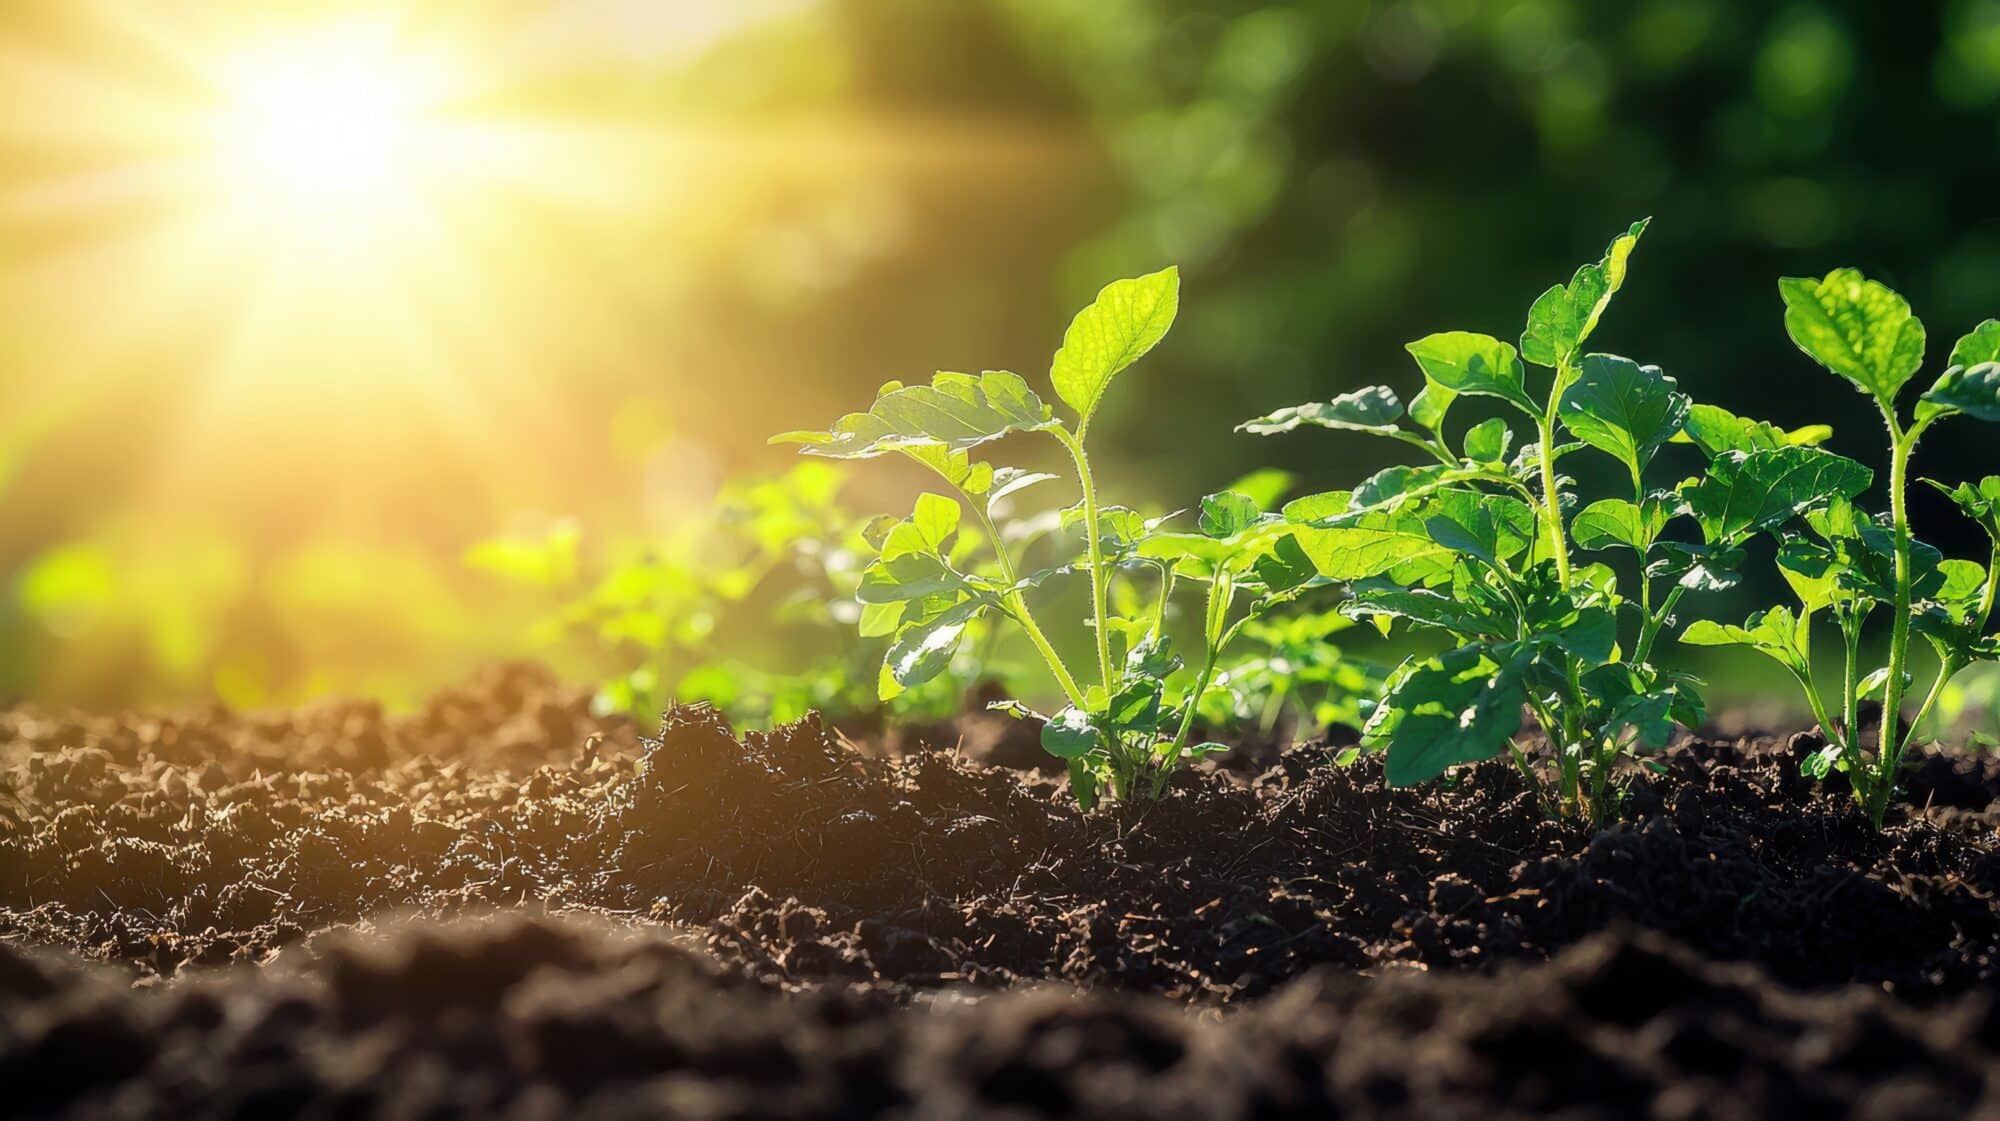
(1130, 713)
(1482, 545)
(1850, 563)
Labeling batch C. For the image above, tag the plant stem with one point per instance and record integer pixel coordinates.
(1649, 633)
(1947, 669)
(1888, 757)
(1849, 737)
(1552, 501)
(1220, 592)
(1987, 598)
(1017, 605)
(1099, 577)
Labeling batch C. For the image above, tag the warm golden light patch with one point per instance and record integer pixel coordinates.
(324, 120)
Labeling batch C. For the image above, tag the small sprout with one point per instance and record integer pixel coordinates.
(1129, 718)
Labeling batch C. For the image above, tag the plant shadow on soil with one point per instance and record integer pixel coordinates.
(868, 893)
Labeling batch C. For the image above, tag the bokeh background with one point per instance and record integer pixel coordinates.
(244, 450)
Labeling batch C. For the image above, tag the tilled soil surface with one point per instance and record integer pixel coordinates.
(530, 1018)
(876, 890)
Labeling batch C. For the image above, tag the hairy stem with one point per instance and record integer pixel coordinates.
(1887, 756)
(1849, 737)
(1099, 577)
(1551, 501)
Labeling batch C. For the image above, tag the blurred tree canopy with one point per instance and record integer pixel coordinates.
(896, 186)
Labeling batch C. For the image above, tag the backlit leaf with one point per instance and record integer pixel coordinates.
(1856, 327)
(1565, 315)
(1972, 390)
(955, 411)
(1743, 494)
(1375, 409)
(1466, 362)
(1623, 409)
(1127, 319)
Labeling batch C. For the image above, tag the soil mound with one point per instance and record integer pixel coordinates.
(166, 843)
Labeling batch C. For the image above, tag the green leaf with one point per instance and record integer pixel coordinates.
(931, 526)
(1699, 568)
(1375, 410)
(1470, 532)
(954, 466)
(1489, 441)
(1615, 522)
(1856, 327)
(1972, 390)
(1136, 709)
(1226, 514)
(1399, 540)
(1153, 657)
(1009, 481)
(1980, 502)
(1979, 346)
(1746, 493)
(1083, 784)
(1963, 584)
(1867, 564)
(1128, 318)
(1381, 542)
(1429, 406)
(922, 651)
(1465, 362)
(1717, 430)
(1565, 315)
(1399, 481)
(1071, 734)
(1591, 634)
(1313, 509)
(1459, 707)
(1776, 633)
(1623, 409)
(1120, 529)
(1425, 607)
(1285, 567)
(956, 411)
(1812, 571)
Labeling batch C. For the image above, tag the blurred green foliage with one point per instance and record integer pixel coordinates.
(1334, 176)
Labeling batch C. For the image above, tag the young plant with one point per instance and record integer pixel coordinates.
(1128, 720)
(749, 607)
(1851, 563)
(1480, 545)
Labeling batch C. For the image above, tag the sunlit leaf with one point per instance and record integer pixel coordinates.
(1617, 522)
(1623, 409)
(955, 411)
(1856, 327)
(1466, 362)
(1974, 391)
(1375, 409)
(1565, 315)
(1717, 430)
(1128, 318)
(1743, 494)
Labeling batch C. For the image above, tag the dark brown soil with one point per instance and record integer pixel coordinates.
(529, 1018)
(795, 862)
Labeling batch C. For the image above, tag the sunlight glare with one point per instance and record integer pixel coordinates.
(323, 123)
